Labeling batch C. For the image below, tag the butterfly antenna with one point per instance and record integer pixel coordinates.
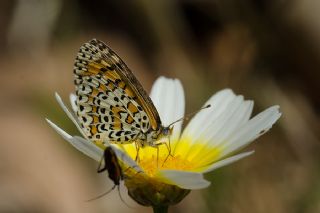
(100, 196)
(186, 117)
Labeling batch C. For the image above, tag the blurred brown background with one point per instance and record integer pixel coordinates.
(267, 50)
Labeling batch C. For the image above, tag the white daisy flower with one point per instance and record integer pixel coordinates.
(209, 141)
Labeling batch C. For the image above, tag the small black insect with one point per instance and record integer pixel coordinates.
(111, 164)
(115, 173)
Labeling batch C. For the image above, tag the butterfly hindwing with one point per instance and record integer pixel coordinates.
(112, 104)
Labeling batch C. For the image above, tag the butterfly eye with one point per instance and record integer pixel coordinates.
(167, 130)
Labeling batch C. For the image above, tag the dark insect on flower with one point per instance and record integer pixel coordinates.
(112, 165)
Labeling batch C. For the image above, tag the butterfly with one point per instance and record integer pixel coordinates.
(112, 106)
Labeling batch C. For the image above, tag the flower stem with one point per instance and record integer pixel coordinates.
(160, 209)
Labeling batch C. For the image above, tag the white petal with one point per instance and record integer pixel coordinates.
(240, 116)
(168, 97)
(126, 159)
(69, 114)
(84, 146)
(217, 126)
(91, 150)
(234, 116)
(65, 135)
(87, 147)
(73, 99)
(227, 161)
(203, 119)
(183, 179)
(254, 128)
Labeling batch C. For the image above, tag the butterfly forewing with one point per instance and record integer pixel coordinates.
(112, 104)
(133, 86)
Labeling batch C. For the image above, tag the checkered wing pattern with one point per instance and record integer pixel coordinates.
(111, 104)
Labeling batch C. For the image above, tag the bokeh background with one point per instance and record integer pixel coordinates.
(268, 50)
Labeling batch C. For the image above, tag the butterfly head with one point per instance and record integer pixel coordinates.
(154, 138)
(167, 131)
(164, 134)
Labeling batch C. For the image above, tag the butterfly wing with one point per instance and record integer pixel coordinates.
(112, 105)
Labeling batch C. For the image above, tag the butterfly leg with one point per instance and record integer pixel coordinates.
(169, 148)
(169, 152)
(157, 147)
(137, 148)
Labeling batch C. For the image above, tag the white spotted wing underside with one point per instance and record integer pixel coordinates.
(111, 104)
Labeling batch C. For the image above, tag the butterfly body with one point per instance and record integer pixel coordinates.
(112, 106)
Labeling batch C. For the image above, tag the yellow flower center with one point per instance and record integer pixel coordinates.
(185, 156)
(154, 163)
